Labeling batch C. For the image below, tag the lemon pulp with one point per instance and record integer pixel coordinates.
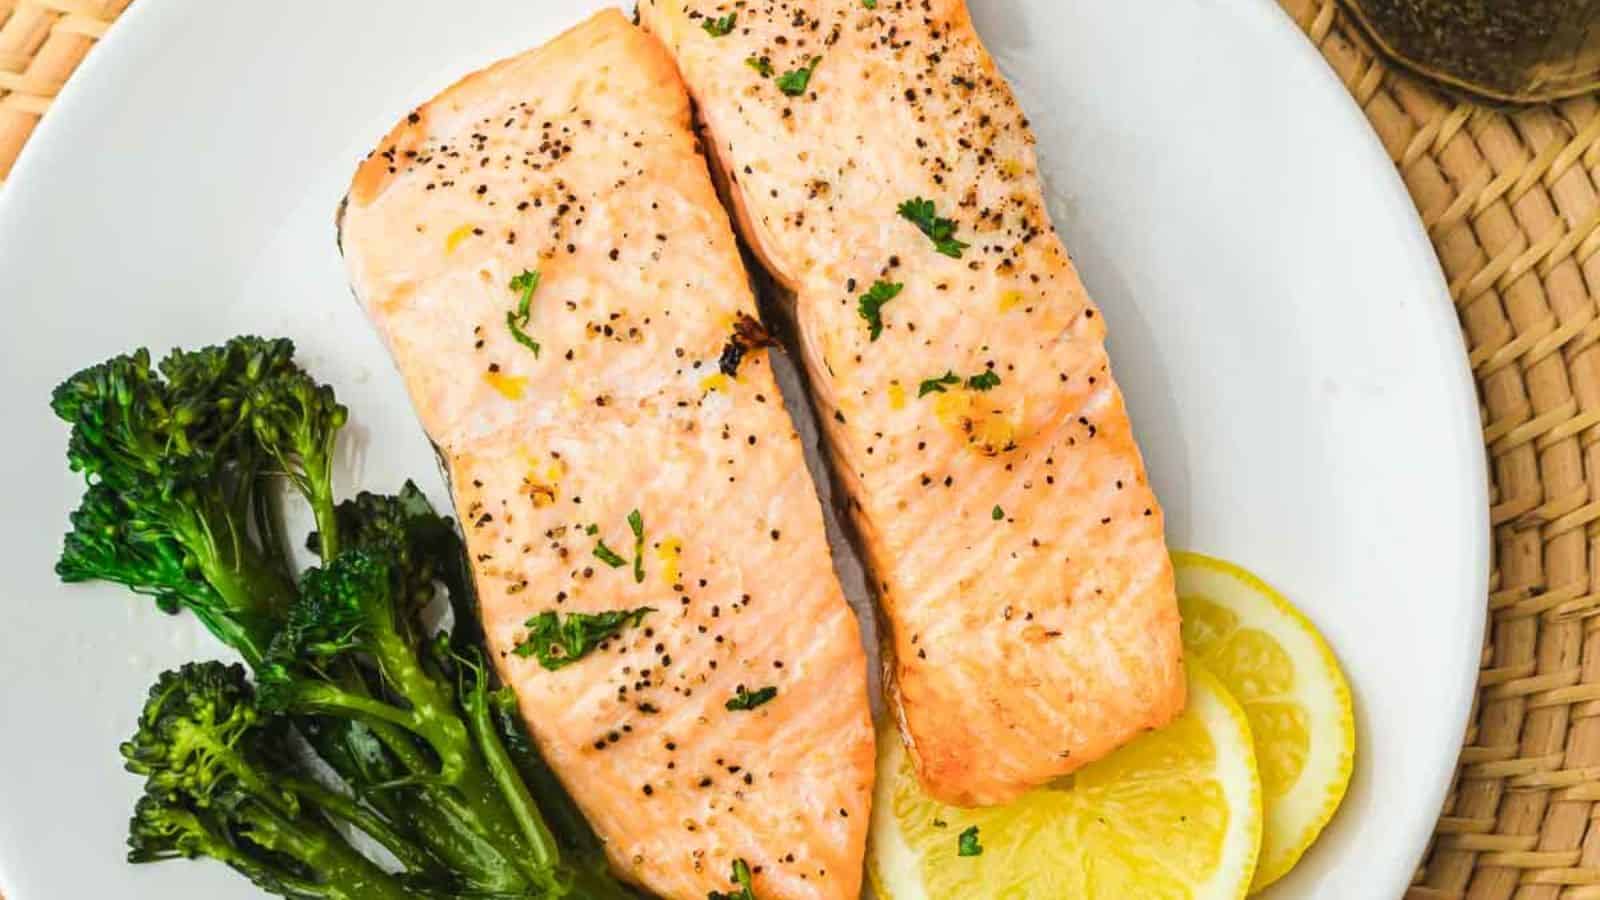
(1174, 814)
(1285, 677)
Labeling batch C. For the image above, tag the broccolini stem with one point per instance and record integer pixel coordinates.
(433, 716)
(450, 827)
(327, 527)
(415, 860)
(475, 702)
(434, 710)
(343, 873)
(560, 812)
(322, 698)
(249, 634)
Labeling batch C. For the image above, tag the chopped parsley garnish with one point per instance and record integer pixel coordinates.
(870, 4)
(744, 699)
(937, 385)
(967, 843)
(740, 877)
(719, 27)
(794, 81)
(762, 65)
(636, 522)
(517, 319)
(988, 379)
(608, 555)
(560, 642)
(872, 303)
(997, 514)
(592, 529)
(921, 213)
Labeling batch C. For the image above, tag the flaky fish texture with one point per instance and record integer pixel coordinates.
(729, 721)
(883, 172)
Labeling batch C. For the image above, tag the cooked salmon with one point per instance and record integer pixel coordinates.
(543, 251)
(885, 175)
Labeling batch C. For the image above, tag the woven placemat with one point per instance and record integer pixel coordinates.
(1511, 203)
(41, 43)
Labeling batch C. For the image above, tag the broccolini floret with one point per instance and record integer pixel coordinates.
(219, 782)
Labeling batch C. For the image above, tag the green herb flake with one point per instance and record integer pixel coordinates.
(870, 4)
(517, 319)
(937, 385)
(922, 214)
(608, 555)
(746, 700)
(762, 65)
(997, 513)
(967, 843)
(720, 27)
(984, 381)
(740, 877)
(636, 522)
(592, 529)
(559, 642)
(872, 302)
(794, 81)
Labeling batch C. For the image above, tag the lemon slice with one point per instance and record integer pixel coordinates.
(1281, 671)
(1175, 814)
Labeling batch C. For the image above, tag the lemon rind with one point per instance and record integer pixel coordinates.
(1314, 804)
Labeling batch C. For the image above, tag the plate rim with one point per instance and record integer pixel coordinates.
(1439, 310)
(146, 22)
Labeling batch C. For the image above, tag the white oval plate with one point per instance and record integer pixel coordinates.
(1277, 318)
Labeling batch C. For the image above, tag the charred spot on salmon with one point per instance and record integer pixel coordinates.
(941, 232)
(719, 27)
(744, 700)
(517, 319)
(748, 334)
(794, 81)
(871, 304)
(559, 642)
(740, 876)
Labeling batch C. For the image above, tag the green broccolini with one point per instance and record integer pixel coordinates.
(220, 782)
(182, 460)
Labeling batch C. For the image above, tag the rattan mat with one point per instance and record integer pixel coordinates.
(1512, 205)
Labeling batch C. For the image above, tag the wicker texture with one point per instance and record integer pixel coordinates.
(1512, 203)
(41, 43)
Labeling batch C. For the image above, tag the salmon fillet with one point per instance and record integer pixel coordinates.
(730, 721)
(885, 175)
